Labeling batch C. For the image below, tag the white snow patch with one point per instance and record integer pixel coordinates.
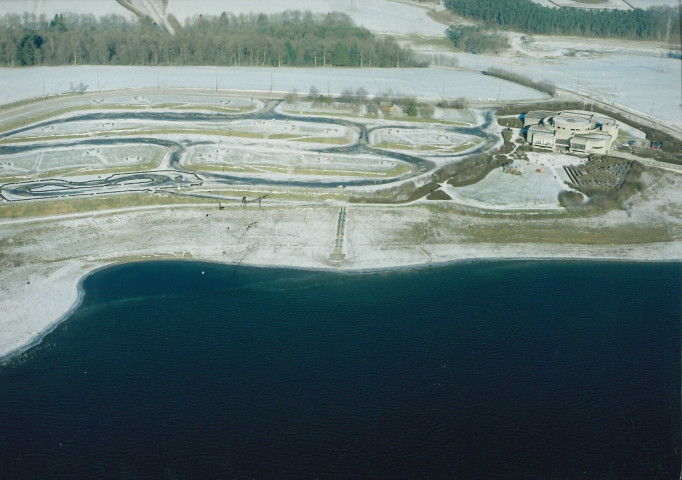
(50, 8)
(531, 190)
(430, 83)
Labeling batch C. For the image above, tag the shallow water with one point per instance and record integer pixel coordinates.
(473, 370)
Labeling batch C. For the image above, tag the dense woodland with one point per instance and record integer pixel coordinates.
(290, 38)
(526, 16)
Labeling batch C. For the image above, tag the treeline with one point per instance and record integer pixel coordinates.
(289, 38)
(546, 87)
(476, 39)
(360, 98)
(530, 17)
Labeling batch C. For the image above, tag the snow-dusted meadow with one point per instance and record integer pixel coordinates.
(542, 178)
(290, 163)
(615, 4)
(278, 130)
(636, 76)
(429, 83)
(178, 100)
(647, 84)
(74, 160)
(379, 16)
(423, 141)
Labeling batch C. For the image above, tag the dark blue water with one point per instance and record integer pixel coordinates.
(538, 370)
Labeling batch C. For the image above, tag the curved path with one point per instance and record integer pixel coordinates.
(420, 165)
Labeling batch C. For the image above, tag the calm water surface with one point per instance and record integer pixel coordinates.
(538, 370)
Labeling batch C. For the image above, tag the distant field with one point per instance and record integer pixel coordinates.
(379, 16)
(429, 83)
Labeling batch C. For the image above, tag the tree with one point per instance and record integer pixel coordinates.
(291, 52)
(313, 93)
(411, 109)
(341, 55)
(426, 110)
(362, 95)
(291, 97)
(26, 52)
(290, 38)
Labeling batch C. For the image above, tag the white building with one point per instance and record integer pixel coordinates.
(575, 130)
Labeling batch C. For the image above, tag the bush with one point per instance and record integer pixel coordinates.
(291, 97)
(570, 199)
(426, 110)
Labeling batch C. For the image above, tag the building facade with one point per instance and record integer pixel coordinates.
(575, 131)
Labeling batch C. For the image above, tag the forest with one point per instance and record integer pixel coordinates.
(529, 17)
(291, 38)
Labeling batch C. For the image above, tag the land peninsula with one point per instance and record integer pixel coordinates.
(286, 158)
(94, 179)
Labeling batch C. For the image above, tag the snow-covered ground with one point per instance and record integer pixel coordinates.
(542, 178)
(617, 4)
(647, 84)
(75, 159)
(178, 100)
(610, 4)
(266, 129)
(379, 16)
(653, 3)
(256, 161)
(432, 83)
(423, 141)
(50, 8)
(638, 77)
(40, 289)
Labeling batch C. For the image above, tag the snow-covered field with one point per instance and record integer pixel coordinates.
(266, 129)
(239, 104)
(432, 83)
(75, 159)
(50, 8)
(423, 141)
(542, 178)
(653, 3)
(611, 4)
(643, 80)
(290, 163)
(379, 16)
(618, 4)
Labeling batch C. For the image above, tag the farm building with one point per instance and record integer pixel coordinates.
(576, 131)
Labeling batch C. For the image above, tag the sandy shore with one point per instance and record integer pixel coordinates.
(43, 260)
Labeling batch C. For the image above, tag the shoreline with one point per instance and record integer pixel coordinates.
(25, 341)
